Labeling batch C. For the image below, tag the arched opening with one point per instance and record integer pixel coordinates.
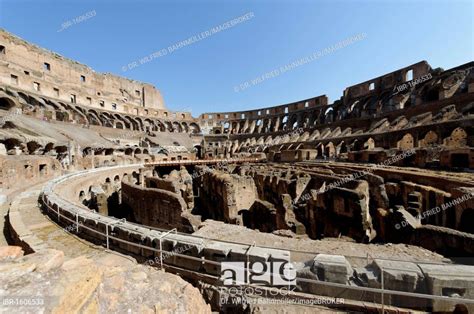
(6, 103)
(458, 138)
(226, 127)
(109, 151)
(369, 144)
(198, 150)
(342, 147)
(194, 128)
(330, 150)
(32, 147)
(177, 127)
(430, 139)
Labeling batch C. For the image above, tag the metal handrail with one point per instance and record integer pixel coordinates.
(67, 177)
(324, 283)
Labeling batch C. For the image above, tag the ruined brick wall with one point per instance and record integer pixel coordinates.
(178, 182)
(156, 207)
(446, 241)
(261, 216)
(59, 77)
(16, 170)
(223, 195)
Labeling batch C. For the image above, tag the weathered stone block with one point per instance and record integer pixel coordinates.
(332, 268)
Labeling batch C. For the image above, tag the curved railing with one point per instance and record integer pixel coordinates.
(191, 255)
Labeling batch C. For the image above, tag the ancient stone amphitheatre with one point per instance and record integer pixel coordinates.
(113, 203)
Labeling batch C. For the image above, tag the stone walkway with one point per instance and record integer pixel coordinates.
(86, 278)
(41, 232)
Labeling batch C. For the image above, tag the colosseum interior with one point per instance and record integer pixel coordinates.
(108, 196)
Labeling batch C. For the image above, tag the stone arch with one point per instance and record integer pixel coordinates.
(7, 103)
(369, 144)
(284, 123)
(169, 126)
(292, 122)
(320, 150)
(149, 125)
(130, 123)
(194, 128)
(119, 125)
(314, 118)
(330, 150)
(139, 123)
(226, 126)
(430, 139)
(341, 148)
(48, 147)
(357, 145)
(93, 120)
(78, 115)
(258, 126)
(235, 127)
(82, 195)
(33, 147)
(160, 126)
(328, 115)
(266, 125)
(185, 127)
(305, 120)
(458, 138)
(406, 142)
(106, 119)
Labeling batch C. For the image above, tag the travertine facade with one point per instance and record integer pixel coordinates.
(44, 73)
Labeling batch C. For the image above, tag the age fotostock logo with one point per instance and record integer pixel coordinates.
(275, 273)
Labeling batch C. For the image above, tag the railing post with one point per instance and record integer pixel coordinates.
(161, 256)
(383, 301)
(107, 235)
(161, 249)
(107, 229)
(247, 266)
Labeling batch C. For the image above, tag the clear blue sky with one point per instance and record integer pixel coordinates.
(202, 76)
